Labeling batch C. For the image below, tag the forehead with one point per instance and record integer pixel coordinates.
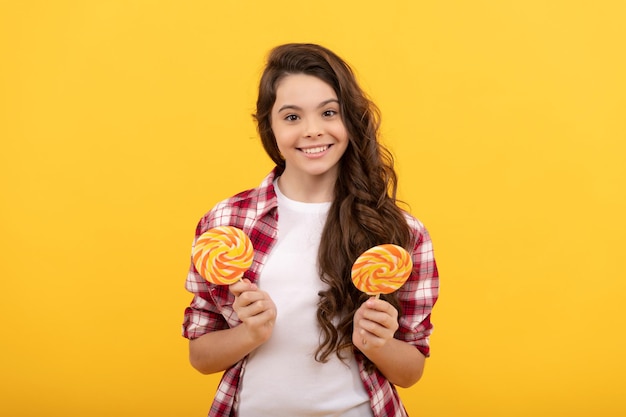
(303, 87)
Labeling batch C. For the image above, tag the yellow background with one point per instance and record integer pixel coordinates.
(122, 122)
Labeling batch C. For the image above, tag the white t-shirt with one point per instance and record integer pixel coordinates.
(282, 377)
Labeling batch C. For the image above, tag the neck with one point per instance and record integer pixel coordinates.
(309, 189)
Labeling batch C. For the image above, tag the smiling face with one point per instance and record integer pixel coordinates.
(309, 130)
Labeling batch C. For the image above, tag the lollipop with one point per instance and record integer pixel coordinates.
(222, 254)
(381, 269)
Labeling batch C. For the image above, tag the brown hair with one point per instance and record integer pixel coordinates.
(364, 211)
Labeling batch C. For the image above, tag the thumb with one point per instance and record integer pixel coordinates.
(241, 286)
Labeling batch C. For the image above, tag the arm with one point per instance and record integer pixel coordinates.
(402, 360)
(375, 323)
(219, 350)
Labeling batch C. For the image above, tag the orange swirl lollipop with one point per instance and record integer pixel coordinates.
(382, 269)
(222, 254)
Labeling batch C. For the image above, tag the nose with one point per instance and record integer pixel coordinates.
(313, 128)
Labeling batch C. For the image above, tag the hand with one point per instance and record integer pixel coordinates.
(375, 323)
(255, 309)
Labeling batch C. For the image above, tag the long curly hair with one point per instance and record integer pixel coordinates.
(364, 211)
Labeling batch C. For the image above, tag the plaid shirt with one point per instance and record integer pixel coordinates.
(255, 211)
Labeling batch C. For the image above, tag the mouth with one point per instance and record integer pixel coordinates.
(315, 150)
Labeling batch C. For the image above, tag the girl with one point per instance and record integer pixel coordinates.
(295, 337)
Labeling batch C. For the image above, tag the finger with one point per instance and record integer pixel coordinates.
(368, 340)
(245, 309)
(377, 304)
(373, 328)
(259, 319)
(387, 317)
(378, 330)
(252, 296)
(242, 286)
(254, 304)
(256, 307)
(384, 319)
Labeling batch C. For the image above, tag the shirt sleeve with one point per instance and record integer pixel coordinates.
(202, 315)
(419, 294)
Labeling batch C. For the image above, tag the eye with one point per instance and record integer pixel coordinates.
(291, 117)
(329, 113)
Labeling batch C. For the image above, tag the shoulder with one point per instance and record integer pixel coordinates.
(417, 227)
(423, 252)
(242, 209)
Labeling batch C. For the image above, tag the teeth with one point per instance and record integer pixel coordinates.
(315, 150)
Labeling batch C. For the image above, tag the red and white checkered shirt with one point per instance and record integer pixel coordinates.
(255, 212)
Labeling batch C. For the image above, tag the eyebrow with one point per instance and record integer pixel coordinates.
(294, 107)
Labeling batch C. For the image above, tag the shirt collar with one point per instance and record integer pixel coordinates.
(267, 194)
